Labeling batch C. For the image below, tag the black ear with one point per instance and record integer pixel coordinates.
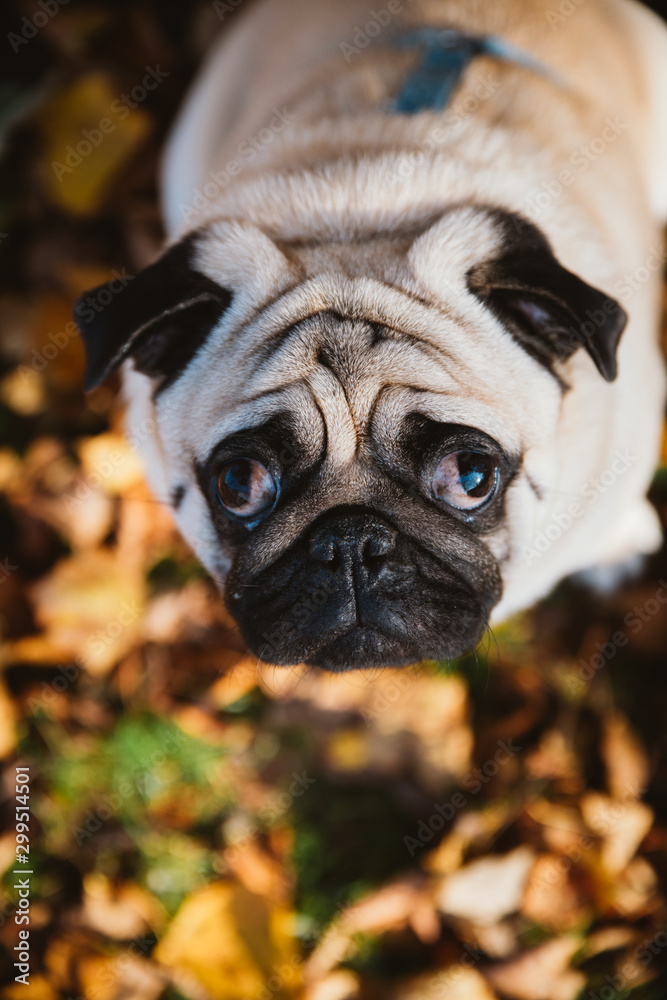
(547, 309)
(160, 318)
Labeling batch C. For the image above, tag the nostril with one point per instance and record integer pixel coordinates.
(380, 545)
(323, 548)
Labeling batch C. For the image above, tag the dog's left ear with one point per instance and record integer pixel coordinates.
(160, 318)
(547, 309)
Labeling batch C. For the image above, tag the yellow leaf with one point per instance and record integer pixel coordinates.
(8, 732)
(240, 679)
(91, 605)
(23, 392)
(348, 750)
(90, 133)
(10, 467)
(53, 346)
(110, 462)
(226, 937)
(37, 989)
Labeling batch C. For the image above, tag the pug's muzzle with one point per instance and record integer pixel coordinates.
(354, 590)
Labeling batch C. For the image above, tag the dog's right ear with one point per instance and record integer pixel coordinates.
(160, 318)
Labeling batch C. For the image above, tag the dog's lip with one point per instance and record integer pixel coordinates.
(364, 646)
(351, 650)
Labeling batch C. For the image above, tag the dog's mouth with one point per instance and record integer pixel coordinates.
(355, 594)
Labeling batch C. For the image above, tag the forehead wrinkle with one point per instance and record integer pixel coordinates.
(341, 425)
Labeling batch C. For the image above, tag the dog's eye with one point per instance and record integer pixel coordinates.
(465, 479)
(245, 487)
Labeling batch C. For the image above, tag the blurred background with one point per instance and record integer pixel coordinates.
(206, 828)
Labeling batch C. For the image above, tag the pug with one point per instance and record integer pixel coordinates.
(397, 370)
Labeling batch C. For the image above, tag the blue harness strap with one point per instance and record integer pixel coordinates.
(446, 55)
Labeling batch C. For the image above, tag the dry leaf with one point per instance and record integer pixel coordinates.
(110, 463)
(38, 989)
(550, 898)
(543, 973)
(91, 605)
(8, 722)
(453, 983)
(625, 759)
(621, 825)
(232, 943)
(23, 391)
(487, 890)
(90, 134)
(122, 911)
(408, 901)
(341, 985)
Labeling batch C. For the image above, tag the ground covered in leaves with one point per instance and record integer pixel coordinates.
(206, 828)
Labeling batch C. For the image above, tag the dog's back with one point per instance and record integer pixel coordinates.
(281, 62)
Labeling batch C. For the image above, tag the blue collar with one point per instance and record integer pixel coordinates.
(446, 55)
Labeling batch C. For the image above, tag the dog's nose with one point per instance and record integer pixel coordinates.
(362, 540)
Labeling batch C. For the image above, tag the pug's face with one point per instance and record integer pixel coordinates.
(352, 431)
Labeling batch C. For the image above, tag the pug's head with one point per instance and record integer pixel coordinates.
(352, 431)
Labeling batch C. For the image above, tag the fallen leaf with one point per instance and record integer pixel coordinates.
(241, 678)
(110, 463)
(23, 391)
(341, 985)
(634, 891)
(38, 989)
(621, 825)
(487, 890)
(232, 943)
(625, 759)
(122, 911)
(408, 901)
(91, 605)
(456, 982)
(8, 722)
(542, 973)
(89, 134)
(550, 898)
